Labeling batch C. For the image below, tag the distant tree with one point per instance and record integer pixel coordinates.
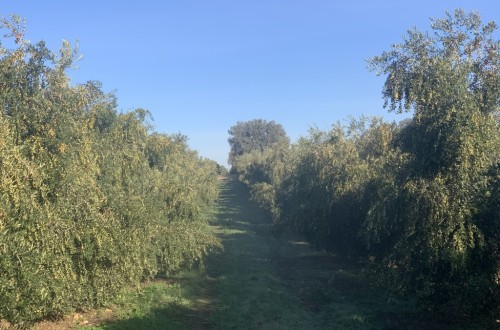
(253, 135)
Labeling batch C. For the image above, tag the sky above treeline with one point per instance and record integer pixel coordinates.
(201, 66)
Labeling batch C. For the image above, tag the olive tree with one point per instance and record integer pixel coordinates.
(442, 245)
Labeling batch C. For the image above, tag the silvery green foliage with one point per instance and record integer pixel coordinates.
(91, 200)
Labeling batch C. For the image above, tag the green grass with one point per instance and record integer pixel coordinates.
(271, 283)
(249, 291)
(177, 303)
(263, 282)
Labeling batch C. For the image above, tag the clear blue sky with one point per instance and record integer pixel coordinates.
(201, 66)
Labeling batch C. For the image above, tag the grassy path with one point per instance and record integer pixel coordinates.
(267, 283)
(250, 291)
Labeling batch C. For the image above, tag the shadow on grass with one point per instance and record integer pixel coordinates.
(179, 302)
(158, 318)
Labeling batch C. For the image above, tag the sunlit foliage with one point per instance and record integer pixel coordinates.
(91, 200)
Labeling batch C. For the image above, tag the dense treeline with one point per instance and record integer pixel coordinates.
(91, 200)
(418, 200)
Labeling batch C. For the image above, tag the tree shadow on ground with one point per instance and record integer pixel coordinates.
(166, 317)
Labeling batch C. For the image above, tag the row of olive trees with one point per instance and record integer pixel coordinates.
(91, 199)
(419, 200)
